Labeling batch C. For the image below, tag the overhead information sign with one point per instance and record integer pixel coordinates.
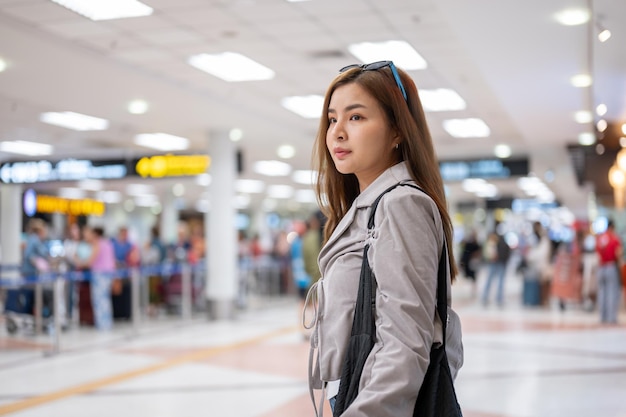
(160, 166)
(34, 203)
(483, 168)
(64, 170)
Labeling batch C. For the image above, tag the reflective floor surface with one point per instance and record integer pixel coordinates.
(519, 362)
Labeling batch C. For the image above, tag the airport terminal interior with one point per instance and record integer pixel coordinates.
(179, 134)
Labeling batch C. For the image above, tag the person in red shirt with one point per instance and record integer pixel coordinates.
(609, 250)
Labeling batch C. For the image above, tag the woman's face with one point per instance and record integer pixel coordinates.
(359, 138)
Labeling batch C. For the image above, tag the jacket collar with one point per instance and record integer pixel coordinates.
(395, 174)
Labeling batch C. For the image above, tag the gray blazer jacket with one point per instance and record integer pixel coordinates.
(404, 254)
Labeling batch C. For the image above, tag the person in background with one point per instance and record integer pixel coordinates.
(122, 248)
(496, 253)
(102, 266)
(609, 248)
(70, 248)
(471, 257)
(301, 278)
(590, 268)
(312, 244)
(373, 135)
(35, 259)
(538, 261)
(152, 258)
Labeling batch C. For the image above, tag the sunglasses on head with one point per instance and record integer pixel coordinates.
(376, 66)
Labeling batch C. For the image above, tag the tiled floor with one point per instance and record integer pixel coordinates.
(519, 362)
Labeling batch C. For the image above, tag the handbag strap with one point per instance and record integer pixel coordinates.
(442, 270)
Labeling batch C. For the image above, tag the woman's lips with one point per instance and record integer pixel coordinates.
(341, 153)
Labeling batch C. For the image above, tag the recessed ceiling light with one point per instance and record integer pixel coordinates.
(286, 151)
(583, 116)
(502, 151)
(138, 107)
(231, 67)
(601, 109)
(581, 80)
(441, 99)
(106, 9)
(586, 139)
(249, 186)
(401, 53)
(235, 134)
(74, 121)
(604, 35)
(572, 17)
(23, 147)
(466, 128)
(272, 168)
(602, 125)
(162, 141)
(309, 107)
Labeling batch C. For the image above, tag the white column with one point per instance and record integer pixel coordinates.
(221, 255)
(168, 229)
(10, 227)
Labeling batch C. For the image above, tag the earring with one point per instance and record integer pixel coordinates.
(397, 145)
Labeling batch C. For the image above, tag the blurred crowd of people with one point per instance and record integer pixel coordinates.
(587, 270)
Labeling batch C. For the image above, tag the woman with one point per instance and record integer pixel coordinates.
(102, 266)
(373, 135)
(35, 259)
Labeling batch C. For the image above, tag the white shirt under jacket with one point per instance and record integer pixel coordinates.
(404, 256)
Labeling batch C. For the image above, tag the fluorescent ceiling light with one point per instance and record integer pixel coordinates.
(71, 193)
(502, 151)
(581, 80)
(305, 196)
(466, 128)
(272, 168)
(304, 176)
(91, 185)
(401, 53)
(109, 197)
(583, 116)
(139, 189)
(279, 191)
(286, 151)
(441, 99)
(309, 107)
(107, 9)
(24, 147)
(137, 107)
(74, 121)
(162, 141)
(146, 200)
(231, 66)
(204, 180)
(249, 186)
(572, 17)
(586, 139)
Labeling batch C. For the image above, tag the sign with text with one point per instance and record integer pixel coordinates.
(483, 168)
(161, 166)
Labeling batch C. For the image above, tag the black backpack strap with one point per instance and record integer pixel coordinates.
(442, 272)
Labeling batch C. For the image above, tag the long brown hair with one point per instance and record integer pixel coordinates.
(336, 192)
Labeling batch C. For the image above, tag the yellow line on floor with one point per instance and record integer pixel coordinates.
(115, 379)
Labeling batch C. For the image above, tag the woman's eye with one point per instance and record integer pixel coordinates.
(355, 117)
(332, 120)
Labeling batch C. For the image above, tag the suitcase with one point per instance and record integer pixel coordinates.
(85, 310)
(121, 302)
(531, 292)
